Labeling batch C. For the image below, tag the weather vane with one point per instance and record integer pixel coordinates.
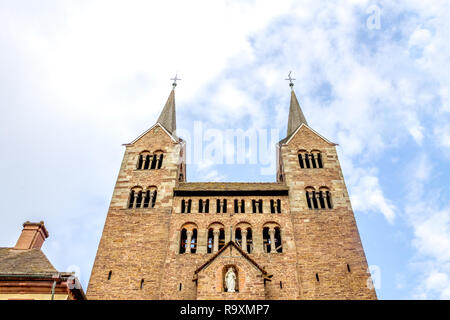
(174, 84)
(291, 80)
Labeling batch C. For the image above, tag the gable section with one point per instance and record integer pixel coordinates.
(231, 250)
(156, 129)
(306, 133)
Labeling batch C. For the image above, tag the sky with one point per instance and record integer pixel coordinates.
(80, 78)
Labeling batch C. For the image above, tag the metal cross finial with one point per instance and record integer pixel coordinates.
(174, 84)
(291, 80)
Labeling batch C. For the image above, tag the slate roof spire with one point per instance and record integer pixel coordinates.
(168, 118)
(296, 116)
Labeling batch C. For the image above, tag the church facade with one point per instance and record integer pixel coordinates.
(166, 238)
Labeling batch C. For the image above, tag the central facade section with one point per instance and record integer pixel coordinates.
(216, 227)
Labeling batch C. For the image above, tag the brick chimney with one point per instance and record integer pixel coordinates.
(33, 236)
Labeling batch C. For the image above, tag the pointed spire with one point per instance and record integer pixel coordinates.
(296, 116)
(167, 117)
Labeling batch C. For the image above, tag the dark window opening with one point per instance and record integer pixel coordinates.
(236, 206)
(319, 160)
(210, 241)
(155, 193)
(221, 238)
(281, 285)
(317, 277)
(238, 237)
(160, 161)
(218, 206)
(278, 244)
(147, 162)
(183, 239)
(307, 161)
(131, 202)
(224, 206)
(183, 206)
(147, 198)
(109, 275)
(207, 206)
(300, 161)
(254, 206)
(142, 284)
(313, 161)
(189, 205)
(260, 206)
(242, 206)
(139, 200)
(308, 199)
(272, 206)
(266, 240)
(321, 200)
(278, 206)
(140, 161)
(154, 160)
(200, 206)
(314, 200)
(180, 287)
(348, 268)
(249, 240)
(330, 204)
(193, 245)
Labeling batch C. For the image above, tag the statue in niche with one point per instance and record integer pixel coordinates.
(230, 280)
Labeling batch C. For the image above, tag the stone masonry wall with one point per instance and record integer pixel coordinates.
(326, 239)
(134, 242)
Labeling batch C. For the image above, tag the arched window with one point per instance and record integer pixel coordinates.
(188, 238)
(308, 160)
(136, 198)
(149, 198)
(202, 206)
(221, 206)
(239, 206)
(216, 237)
(272, 238)
(186, 206)
(275, 206)
(139, 199)
(257, 206)
(318, 199)
(148, 161)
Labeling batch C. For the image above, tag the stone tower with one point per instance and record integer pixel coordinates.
(165, 238)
